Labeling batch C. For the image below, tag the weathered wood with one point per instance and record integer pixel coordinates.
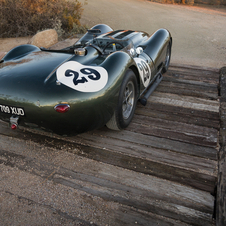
(156, 155)
(160, 143)
(129, 216)
(200, 181)
(187, 112)
(138, 163)
(101, 173)
(194, 75)
(207, 75)
(202, 70)
(139, 197)
(174, 135)
(190, 84)
(177, 116)
(176, 130)
(185, 102)
(221, 186)
(177, 126)
(208, 92)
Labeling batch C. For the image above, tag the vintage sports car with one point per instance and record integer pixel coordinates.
(95, 82)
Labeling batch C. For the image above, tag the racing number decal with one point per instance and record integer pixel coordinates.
(144, 71)
(81, 77)
(92, 74)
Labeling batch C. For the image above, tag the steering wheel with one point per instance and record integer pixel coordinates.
(113, 46)
(97, 48)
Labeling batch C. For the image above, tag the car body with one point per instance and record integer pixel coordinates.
(93, 83)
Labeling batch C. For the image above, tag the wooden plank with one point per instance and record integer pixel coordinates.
(221, 185)
(174, 135)
(178, 116)
(194, 75)
(140, 198)
(177, 126)
(190, 77)
(175, 130)
(188, 89)
(138, 138)
(205, 70)
(160, 143)
(190, 84)
(185, 102)
(158, 155)
(201, 181)
(186, 92)
(187, 82)
(129, 216)
(170, 109)
(100, 173)
(207, 75)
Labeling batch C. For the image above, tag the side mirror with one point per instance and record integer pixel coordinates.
(139, 50)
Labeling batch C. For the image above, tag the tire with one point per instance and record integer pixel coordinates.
(167, 58)
(127, 101)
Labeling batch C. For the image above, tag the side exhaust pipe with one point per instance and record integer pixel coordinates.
(143, 100)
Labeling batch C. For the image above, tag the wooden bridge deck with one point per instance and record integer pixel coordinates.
(161, 170)
(173, 140)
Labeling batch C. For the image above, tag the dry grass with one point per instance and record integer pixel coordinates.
(26, 17)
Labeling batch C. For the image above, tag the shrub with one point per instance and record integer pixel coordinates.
(26, 17)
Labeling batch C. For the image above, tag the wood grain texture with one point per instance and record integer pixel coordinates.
(221, 185)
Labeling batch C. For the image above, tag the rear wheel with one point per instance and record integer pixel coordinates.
(127, 101)
(167, 58)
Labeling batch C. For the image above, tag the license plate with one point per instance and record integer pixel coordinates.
(12, 110)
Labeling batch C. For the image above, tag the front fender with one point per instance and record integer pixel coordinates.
(116, 65)
(156, 47)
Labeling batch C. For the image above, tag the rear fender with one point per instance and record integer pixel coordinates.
(20, 51)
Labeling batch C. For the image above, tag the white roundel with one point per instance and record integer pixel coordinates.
(144, 71)
(81, 77)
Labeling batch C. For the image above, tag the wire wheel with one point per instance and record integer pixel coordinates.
(128, 100)
(125, 109)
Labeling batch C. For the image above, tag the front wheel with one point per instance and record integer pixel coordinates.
(127, 101)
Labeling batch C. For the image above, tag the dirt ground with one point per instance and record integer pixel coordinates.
(198, 31)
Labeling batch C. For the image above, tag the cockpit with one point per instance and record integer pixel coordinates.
(105, 44)
(108, 45)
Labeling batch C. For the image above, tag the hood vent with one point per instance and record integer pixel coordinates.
(113, 33)
(124, 34)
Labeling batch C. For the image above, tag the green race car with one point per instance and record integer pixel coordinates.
(93, 83)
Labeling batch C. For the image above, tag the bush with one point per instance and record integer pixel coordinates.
(26, 17)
